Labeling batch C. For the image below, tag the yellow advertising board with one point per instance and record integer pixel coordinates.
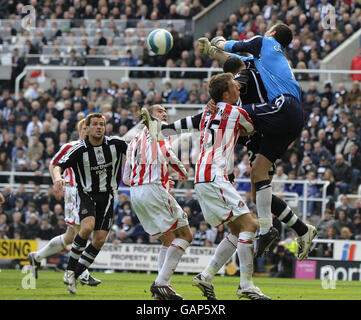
(16, 249)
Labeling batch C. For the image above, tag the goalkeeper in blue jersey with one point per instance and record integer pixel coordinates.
(279, 121)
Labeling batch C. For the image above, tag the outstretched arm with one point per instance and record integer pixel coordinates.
(252, 46)
(187, 123)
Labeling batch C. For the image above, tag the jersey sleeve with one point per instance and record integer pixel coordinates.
(252, 46)
(188, 123)
(62, 151)
(127, 168)
(245, 122)
(70, 158)
(120, 144)
(171, 157)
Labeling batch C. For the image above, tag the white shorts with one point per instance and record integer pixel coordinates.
(220, 201)
(71, 206)
(156, 209)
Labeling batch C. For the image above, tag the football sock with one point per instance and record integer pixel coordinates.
(223, 253)
(77, 248)
(263, 203)
(172, 258)
(245, 256)
(55, 245)
(161, 257)
(284, 213)
(86, 259)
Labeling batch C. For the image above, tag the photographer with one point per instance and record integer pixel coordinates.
(283, 261)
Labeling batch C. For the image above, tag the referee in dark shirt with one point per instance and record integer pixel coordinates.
(97, 163)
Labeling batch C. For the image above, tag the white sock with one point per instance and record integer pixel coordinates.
(161, 257)
(263, 203)
(245, 256)
(224, 252)
(172, 258)
(55, 245)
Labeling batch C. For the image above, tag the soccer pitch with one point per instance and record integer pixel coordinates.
(135, 286)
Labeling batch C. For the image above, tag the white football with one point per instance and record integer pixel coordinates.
(160, 41)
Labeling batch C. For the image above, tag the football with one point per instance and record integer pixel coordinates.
(160, 41)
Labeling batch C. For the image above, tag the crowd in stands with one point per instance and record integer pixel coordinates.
(319, 27)
(39, 122)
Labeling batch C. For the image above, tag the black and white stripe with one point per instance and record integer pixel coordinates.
(255, 92)
(96, 169)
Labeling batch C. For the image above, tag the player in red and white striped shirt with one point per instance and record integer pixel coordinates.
(146, 172)
(219, 200)
(71, 210)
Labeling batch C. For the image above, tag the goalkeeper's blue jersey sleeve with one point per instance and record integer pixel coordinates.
(271, 63)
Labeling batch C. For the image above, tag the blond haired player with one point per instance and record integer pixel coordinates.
(71, 209)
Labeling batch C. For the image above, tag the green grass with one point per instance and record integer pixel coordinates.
(135, 286)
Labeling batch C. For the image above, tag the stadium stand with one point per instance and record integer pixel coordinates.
(100, 33)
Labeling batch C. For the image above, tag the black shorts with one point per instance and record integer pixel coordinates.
(279, 124)
(99, 205)
(253, 144)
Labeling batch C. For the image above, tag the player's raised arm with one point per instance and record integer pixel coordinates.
(205, 47)
(252, 46)
(187, 123)
(158, 131)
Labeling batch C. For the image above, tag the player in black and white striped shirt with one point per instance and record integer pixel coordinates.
(97, 162)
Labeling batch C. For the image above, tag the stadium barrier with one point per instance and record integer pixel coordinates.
(123, 73)
(345, 264)
(298, 202)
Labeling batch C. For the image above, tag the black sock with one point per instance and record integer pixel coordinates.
(284, 213)
(86, 259)
(77, 249)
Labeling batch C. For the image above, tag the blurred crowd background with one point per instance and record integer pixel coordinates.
(112, 33)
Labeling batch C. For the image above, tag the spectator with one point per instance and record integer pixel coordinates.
(201, 235)
(60, 227)
(32, 227)
(356, 226)
(354, 159)
(129, 60)
(194, 218)
(180, 93)
(356, 65)
(346, 234)
(283, 261)
(326, 221)
(356, 209)
(342, 173)
(122, 237)
(3, 223)
(278, 187)
(17, 64)
(325, 250)
(342, 221)
(351, 97)
(17, 226)
(127, 225)
(46, 230)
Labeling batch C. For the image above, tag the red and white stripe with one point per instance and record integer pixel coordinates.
(215, 157)
(68, 174)
(146, 161)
